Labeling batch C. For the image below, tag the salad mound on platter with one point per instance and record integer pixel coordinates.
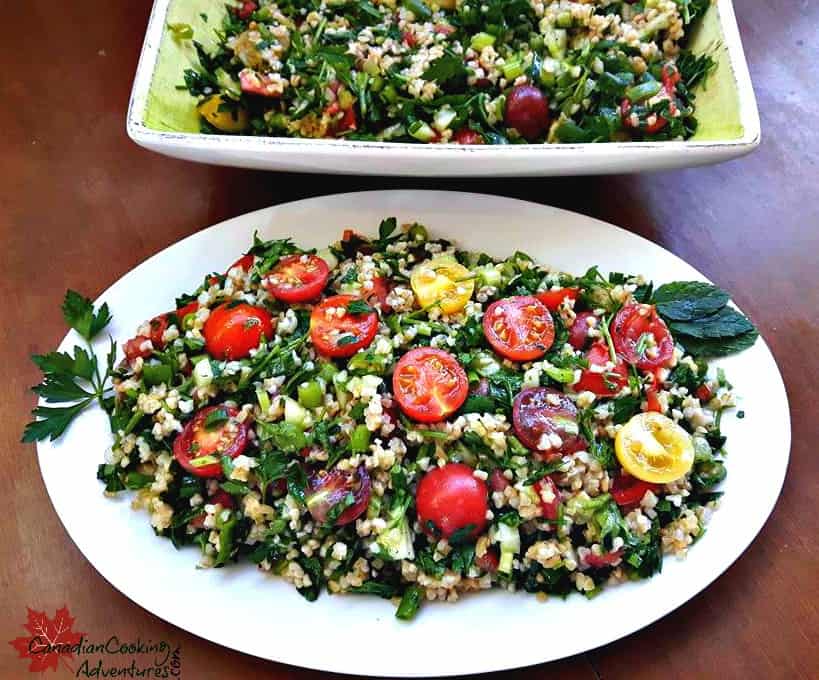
(449, 71)
(398, 417)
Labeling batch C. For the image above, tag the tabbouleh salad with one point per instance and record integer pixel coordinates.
(458, 71)
(398, 417)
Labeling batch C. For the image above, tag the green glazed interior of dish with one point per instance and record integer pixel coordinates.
(170, 109)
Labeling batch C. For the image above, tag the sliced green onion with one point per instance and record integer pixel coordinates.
(263, 399)
(422, 131)
(481, 40)
(203, 460)
(310, 394)
(410, 602)
(181, 31)
(512, 69)
(360, 439)
(643, 91)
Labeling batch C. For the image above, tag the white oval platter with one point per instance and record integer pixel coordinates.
(244, 609)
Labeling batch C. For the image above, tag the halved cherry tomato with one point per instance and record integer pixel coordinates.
(297, 278)
(554, 298)
(605, 560)
(467, 136)
(606, 383)
(628, 491)
(429, 384)
(212, 433)
(489, 561)
(550, 506)
(579, 332)
(641, 337)
(450, 499)
(325, 490)
(135, 348)
(335, 332)
(233, 329)
(519, 328)
(542, 416)
(654, 448)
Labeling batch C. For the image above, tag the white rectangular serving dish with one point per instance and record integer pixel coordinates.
(162, 118)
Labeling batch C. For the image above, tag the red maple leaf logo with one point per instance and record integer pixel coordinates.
(49, 640)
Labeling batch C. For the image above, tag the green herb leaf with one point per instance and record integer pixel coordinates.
(718, 347)
(726, 323)
(358, 307)
(688, 300)
(445, 68)
(216, 418)
(78, 312)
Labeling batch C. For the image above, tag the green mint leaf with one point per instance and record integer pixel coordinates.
(688, 300)
(726, 323)
(346, 340)
(717, 347)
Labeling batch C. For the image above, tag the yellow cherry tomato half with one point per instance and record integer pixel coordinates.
(442, 280)
(652, 447)
(232, 120)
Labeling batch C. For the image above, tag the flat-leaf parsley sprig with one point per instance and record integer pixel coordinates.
(75, 379)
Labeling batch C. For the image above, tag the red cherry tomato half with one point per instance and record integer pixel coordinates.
(429, 384)
(326, 490)
(297, 278)
(467, 136)
(542, 416)
(212, 433)
(628, 491)
(603, 383)
(579, 332)
(489, 561)
(450, 499)
(335, 332)
(519, 328)
(554, 298)
(233, 329)
(550, 506)
(527, 110)
(135, 347)
(642, 337)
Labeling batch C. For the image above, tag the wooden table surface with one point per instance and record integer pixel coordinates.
(80, 205)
